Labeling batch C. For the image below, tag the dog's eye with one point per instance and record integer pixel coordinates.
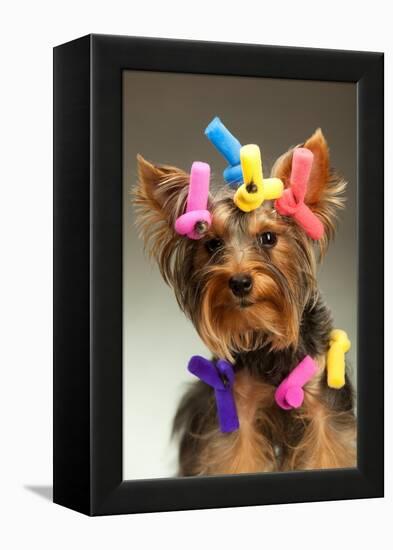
(267, 239)
(212, 245)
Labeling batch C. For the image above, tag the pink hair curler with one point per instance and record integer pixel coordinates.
(197, 219)
(290, 394)
(291, 203)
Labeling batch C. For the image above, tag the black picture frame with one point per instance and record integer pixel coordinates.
(88, 274)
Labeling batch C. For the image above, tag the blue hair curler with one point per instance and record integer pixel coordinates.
(229, 147)
(233, 175)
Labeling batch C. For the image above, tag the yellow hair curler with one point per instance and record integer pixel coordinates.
(251, 194)
(335, 361)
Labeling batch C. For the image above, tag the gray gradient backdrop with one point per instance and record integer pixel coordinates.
(165, 115)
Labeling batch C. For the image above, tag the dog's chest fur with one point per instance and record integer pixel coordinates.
(265, 429)
(273, 366)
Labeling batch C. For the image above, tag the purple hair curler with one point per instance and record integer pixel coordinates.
(220, 376)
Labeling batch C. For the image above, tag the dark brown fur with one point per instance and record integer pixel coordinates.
(283, 319)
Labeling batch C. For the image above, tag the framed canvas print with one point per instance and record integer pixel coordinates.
(218, 275)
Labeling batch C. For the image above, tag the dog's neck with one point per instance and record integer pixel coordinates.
(274, 366)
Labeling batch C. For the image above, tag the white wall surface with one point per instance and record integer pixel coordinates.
(28, 30)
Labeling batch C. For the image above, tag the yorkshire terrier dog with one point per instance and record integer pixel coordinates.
(249, 286)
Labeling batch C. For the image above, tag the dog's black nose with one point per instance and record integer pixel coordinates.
(240, 284)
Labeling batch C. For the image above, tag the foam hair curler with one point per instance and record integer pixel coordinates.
(292, 201)
(220, 376)
(290, 394)
(197, 219)
(251, 194)
(335, 360)
(229, 147)
(233, 175)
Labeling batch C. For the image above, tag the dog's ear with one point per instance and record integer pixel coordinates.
(325, 187)
(159, 198)
(161, 191)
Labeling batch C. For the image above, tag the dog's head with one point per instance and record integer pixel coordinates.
(246, 282)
